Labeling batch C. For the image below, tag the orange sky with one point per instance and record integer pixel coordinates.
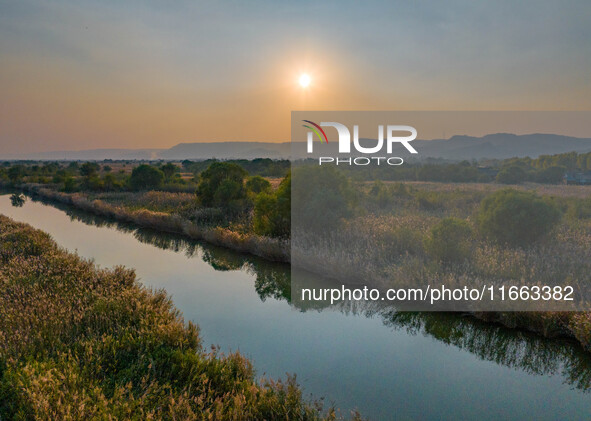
(140, 75)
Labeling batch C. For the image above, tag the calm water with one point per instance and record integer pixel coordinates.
(389, 365)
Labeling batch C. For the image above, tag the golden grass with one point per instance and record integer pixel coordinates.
(84, 343)
(269, 248)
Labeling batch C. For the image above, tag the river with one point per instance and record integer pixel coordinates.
(387, 364)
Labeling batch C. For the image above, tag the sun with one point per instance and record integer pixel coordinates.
(305, 80)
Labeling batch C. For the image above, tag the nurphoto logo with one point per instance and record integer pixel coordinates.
(344, 144)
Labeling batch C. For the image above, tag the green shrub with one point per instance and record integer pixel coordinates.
(580, 208)
(322, 197)
(89, 169)
(169, 170)
(430, 200)
(258, 184)
(16, 173)
(551, 175)
(222, 185)
(511, 175)
(146, 177)
(272, 211)
(380, 193)
(69, 184)
(449, 240)
(516, 217)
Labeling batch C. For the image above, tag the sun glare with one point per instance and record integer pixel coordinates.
(304, 80)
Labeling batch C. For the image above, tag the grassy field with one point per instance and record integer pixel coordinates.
(80, 342)
(413, 234)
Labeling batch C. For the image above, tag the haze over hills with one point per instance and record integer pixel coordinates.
(498, 145)
(225, 150)
(501, 146)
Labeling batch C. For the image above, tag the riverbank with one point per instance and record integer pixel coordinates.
(81, 342)
(269, 248)
(572, 325)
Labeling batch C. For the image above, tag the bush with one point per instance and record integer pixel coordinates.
(380, 193)
(551, 175)
(580, 209)
(222, 185)
(449, 240)
(511, 175)
(322, 197)
(146, 177)
(258, 184)
(16, 173)
(69, 184)
(89, 169)
(272, 211)
(515, 217)
(92, 183)
(169, 170)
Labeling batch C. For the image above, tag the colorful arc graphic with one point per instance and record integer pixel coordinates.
(316, 131)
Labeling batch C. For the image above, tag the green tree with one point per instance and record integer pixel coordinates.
(73, 166)
(146, 177)
(59, 176)
(322, 197)
(69, 184)
(516, 217)
(16, 173)
(272, 211)
(89, 169)
(449, 240)
(169, 170)
(511, 175)
(258, 184)
(222, 185)
(110, 182)
(552, 175)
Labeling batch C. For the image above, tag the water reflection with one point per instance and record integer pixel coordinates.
(512, 348)
(17, 200)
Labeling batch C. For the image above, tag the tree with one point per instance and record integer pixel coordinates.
(322, 197)
(146, 177)
(69, 184)
(553, 175)
(169, 170)
(110, 182)
(15, 173)
(258, 184)
(449, 240)
(272, 211)
(511, 175)
(89, 169)
(222, 185)
(515, 217)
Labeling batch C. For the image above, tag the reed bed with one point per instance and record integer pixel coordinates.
(270, 248)
(79, 342)
(385, 243)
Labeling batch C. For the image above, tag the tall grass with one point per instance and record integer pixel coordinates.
(80, 342)
(269, 248)
(383, 243)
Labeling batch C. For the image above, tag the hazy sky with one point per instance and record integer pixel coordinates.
(86, 74)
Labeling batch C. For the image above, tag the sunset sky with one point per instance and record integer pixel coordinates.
(80, 75)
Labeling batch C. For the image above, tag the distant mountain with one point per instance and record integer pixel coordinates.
(498, 145)
(226, 150)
